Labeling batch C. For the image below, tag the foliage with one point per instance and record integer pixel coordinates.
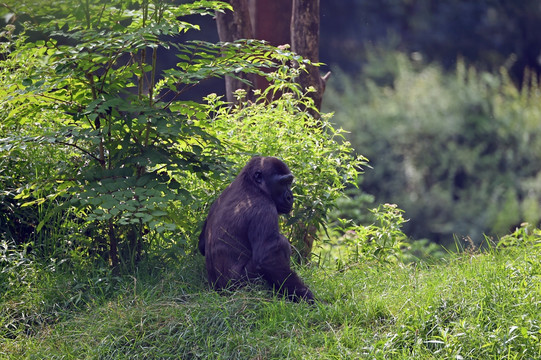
(16, 268)
(18, 167)
(321, 161)
(354, 204)
(472, 306)
(458, 152)
(526, 234)
(381, 241)
(131, 147)
(377, 238)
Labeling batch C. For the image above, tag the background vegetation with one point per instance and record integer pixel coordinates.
(442, 97)
(486, 33)
(459, 152)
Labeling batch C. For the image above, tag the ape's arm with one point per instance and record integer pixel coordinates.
(271, 254)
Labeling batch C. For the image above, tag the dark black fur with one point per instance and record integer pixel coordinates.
(241, 238)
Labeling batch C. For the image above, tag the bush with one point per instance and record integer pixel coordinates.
(136, 164)
(89, 85)
(322, 162)
(351, 244)
(458, 152)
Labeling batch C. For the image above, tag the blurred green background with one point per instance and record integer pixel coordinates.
(443, 99)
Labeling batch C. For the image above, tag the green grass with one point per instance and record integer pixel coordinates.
(473, 306)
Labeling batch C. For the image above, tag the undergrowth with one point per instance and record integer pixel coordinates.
(475, 304)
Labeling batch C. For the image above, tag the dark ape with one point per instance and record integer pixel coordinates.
(241, 238)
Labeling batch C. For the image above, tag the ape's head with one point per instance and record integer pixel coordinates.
(273, 177)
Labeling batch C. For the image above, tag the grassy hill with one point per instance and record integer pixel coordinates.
(475, 305)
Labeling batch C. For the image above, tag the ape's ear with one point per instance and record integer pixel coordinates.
(258, 177)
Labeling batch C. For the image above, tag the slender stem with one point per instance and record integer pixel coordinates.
(113, 251)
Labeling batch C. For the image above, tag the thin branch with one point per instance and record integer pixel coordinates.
(185, 88)
(86, 152)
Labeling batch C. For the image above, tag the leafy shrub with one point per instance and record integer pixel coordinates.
(89, 85)
(137, 164)
(322, 162)
(458, 152)
(525, 235)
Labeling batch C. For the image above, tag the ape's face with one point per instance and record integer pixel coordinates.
(274, 178)
(280, 190)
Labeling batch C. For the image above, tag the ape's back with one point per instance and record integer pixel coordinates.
(227, 247)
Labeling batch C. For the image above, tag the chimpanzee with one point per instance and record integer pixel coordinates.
(241, 239)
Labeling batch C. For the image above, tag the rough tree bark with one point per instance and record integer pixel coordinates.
(235, 25)
(271, 21)
(280, 22)
(305, 42)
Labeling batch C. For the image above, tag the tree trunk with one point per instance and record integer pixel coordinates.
(271, 21)
(305, 42)
(235, 25)
(280, 22)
